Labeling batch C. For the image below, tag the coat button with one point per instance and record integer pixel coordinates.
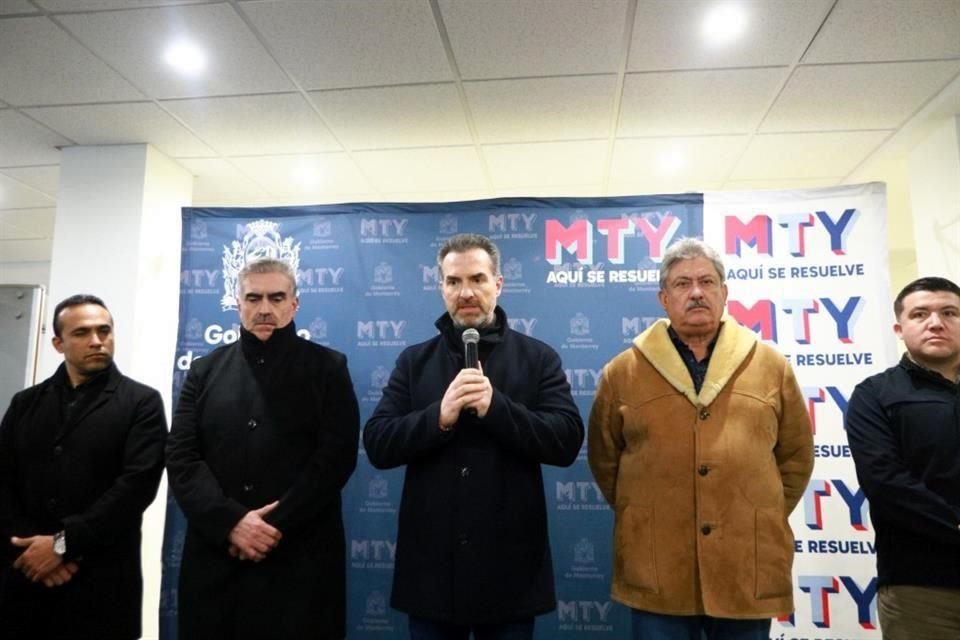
(706, 529)
(248, 487)
(463, 539)
(52, 503)
(704, 414)
(260, 361)
(57, 450)
(703, 470)
(252, 424)
(464, 472)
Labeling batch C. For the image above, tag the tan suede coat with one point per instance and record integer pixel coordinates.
(701, 485)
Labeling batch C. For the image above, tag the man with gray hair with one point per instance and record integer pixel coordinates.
(263, 439)
(472, 548)
(700, 440)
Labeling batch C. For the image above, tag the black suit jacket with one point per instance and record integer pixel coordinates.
(92, 476)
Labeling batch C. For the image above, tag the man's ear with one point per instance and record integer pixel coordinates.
(57, 343)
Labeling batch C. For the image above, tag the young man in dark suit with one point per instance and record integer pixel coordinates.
(81, 455)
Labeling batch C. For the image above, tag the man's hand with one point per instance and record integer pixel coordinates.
(38, 558)
(469, 389)
(253, 538)
(61, 575)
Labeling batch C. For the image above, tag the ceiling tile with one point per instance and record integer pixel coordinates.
(780, 184)
(134, 42)
(510, 39)
(40, 64)
(805, 155)
(330, 45)
(406, 170)
(542, 109)
(690, 161)
(868, 30)
(43, 179)
(316, 175)
(94, 5)
(16, 195)
(128, 123)
(862, 96)
(228, 190)
(434, 196)
(568, 191)
(26, 224)
(253, 125)
(209, 167)
(11, 7)
(546, 164)
(27, 143)
(697, 102)
(667, 35)
(648, 185)
(409, 116)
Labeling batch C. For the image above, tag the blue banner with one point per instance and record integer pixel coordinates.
(581, 274)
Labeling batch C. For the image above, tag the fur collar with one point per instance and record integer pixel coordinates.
(734, 344)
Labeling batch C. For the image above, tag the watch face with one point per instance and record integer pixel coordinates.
(59, 544)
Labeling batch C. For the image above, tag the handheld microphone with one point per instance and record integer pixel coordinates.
(471, 356)
(471, 353)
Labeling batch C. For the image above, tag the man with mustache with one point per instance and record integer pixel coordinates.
(904, 431)
(700, 441)
(81, 455)
(472, 549)
(264, 437)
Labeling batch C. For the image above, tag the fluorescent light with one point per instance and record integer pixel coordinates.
(672, 161)
(724, 23)
(186, 57)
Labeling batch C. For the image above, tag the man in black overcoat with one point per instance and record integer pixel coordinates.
(472, 546)
(264, 437)
(81, 455)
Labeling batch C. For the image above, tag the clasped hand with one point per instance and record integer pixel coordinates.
(39, 563)
(253, 537)
(469, 389)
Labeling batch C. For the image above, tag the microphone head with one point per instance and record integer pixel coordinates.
(470, 336)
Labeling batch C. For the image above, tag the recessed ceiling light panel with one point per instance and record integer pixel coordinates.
(724, 23)
(186, 57)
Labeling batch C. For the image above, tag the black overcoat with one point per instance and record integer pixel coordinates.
(258, 422)
(93, 477)
(472, 544)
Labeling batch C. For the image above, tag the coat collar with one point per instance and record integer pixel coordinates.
(489, 336)
(734, 344)
(105, 393)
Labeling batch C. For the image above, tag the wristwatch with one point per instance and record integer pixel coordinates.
(60, 543)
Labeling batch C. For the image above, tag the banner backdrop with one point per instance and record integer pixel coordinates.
(807, 270)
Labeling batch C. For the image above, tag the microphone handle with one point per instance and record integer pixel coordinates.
(471, 359)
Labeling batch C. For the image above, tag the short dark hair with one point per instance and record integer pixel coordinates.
(930, 283)
(268, 265)
(465, 242)
(73, 301)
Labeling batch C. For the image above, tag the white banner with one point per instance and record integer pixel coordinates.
(808, 271)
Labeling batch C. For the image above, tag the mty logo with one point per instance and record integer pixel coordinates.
(511, 222)
(821, 588)
(762, 316)
(380, 329)
(758, 231)
(818, 395)
(578, 237)
(522, 325)
(583, 610)
(819, 490)
(383, 227)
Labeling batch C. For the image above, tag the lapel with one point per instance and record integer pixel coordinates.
(102, 397)
(733, 346)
